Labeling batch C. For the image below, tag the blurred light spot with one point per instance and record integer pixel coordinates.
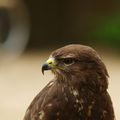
(14, 29)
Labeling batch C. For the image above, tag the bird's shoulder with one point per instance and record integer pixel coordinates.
(47, 97)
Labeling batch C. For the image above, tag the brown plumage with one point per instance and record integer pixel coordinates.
(78, 90)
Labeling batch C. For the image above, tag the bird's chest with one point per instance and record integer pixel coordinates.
(77, 104)
(72, 102)
(72, 97)
(65, 103)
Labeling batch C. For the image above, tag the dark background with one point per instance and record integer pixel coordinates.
(59, 22)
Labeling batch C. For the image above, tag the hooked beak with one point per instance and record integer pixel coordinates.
(48, 65)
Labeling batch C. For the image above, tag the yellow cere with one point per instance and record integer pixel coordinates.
(51, 62)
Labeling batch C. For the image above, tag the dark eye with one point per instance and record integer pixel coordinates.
(68, 61)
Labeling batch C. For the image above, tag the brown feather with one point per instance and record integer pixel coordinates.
(77, 93)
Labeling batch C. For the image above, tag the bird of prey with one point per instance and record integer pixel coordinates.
(78, 90)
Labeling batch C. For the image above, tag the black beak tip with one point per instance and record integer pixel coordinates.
(45, 67)
(42, 71)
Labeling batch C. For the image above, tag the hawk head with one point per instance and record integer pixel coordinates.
(77, 61)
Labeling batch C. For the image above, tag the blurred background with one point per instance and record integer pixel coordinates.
(30, 30)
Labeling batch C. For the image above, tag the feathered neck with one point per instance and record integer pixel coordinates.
(97, 82)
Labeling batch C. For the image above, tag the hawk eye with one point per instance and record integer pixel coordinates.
(68, 61)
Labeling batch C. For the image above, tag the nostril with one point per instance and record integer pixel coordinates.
(50, 62)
